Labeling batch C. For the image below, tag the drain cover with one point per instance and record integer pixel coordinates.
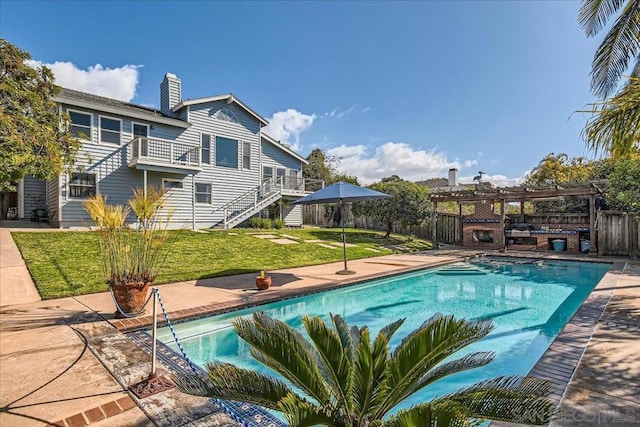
(151, 386)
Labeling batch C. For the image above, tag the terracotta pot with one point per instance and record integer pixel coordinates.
(263, 283)
(131, 296)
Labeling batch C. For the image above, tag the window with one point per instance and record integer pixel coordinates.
(110, 130)
(267, 173)
(225, 115)
(293, 179)
(206, 148)
(82, 185)
(203, 193)
(140, 131)
(226, 152)
(169, 184)
(80, 125)
(246, 155)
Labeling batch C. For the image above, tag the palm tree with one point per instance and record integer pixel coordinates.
(614, 126)
(620, 46)
(350, 381)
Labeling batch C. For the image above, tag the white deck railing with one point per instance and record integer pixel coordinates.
(163, 151)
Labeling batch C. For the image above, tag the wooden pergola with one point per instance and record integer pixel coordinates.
(523, 193)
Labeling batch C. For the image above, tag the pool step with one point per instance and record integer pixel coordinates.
(461, 270)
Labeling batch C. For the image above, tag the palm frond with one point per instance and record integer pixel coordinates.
(421, 350)
(392, 328)
(620, 46)
(369, 374)
(348, 336)
(286, 351)
(615, 123)
(226, 381)
(594, 14)
(510, 399)
(300, 412)
(470, 361)
(336, 358)
(432, 415)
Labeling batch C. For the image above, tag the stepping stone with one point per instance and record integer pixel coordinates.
(200, 231)
(288, 236)
(265, 236)
(284, 241)
(395, 247)
(327, 246)
(372, 250)
(314, 241)
(232, 234)
(349, 245)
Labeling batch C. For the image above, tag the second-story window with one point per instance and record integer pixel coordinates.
(267, 173)
(80, 125)
(140, 131)
(206, 148)
(246, 155)
(110, 130)
(226, 152)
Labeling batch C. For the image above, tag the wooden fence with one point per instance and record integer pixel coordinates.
(618, 234)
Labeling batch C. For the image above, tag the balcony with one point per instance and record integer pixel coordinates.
(163, 155)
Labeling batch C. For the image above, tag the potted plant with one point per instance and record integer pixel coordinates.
(131, 255)
(263, 282)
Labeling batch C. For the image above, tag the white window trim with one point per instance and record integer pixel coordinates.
(100, 117)
(195, 193)
(211, 149)
(68, 185)
(69, 110)
(172, 180)
(242, 155)
(139, 124)
(272, 172)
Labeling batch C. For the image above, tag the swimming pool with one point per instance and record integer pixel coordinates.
(529, 303)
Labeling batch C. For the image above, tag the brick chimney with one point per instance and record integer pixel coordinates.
(170, 93)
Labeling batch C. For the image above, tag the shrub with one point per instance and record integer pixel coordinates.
(278, 224)
(254, 222)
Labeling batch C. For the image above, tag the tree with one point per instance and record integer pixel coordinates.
(557, 169)
(318, 168)
(623, 186)
(620, 46)
(614, 126)
(408, 204)
(32, 138)
(350, 381)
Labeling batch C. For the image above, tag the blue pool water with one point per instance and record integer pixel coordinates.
(529, 304)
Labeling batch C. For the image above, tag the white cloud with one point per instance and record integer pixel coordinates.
(286, 126)
(347, 111)
(497, 180)
(393, 158)
(117, 83)
(366, 109)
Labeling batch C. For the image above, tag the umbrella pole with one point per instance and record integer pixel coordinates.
(344, 241)
(344, 238)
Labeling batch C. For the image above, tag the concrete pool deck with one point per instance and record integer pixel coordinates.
(50, 374)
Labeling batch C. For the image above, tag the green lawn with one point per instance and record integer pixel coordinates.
(66, 264)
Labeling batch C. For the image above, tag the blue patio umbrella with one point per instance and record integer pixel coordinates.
(341, 192)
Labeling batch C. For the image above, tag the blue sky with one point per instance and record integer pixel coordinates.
(410, 88)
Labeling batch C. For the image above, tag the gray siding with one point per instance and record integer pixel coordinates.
(227, 183)
(53, 198)
(292, 215)
(275, 157)
(35, 195)
(115, 179)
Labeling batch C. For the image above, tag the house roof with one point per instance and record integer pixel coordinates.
(108, 105)
(229, 98)
(283, 147)
(434, 182)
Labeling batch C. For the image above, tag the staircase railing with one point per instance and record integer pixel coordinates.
(249, 200)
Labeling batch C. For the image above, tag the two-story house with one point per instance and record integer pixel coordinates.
(210, 156)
